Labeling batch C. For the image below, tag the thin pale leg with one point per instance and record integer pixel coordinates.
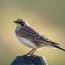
(31, 52)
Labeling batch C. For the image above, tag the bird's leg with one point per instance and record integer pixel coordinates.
(31, 52)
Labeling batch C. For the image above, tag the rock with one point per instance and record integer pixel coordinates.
(29, 60)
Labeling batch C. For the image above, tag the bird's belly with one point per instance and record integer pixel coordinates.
(26, 42)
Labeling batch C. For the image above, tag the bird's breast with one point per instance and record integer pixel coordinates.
(17, 28)
(27, 42)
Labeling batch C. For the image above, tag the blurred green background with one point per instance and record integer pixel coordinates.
(46, 16)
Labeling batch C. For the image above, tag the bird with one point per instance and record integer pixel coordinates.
(31, 38)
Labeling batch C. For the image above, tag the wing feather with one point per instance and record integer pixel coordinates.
(34, 36)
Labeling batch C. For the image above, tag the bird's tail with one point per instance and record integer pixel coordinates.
(56, 45)
(59, 47)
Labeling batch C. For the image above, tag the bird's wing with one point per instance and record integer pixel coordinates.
(27, 31)
(34, 36)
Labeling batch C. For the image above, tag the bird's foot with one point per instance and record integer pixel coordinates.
(31, 53)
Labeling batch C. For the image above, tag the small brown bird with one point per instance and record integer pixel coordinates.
(31, 38)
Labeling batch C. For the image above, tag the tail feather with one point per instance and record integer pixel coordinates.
(56, 45)
(59, 47)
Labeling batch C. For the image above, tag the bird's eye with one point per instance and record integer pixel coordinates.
(22, 24)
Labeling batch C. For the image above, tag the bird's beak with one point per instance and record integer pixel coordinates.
(15, 21)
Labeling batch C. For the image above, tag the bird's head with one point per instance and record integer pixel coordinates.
(20, 22)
